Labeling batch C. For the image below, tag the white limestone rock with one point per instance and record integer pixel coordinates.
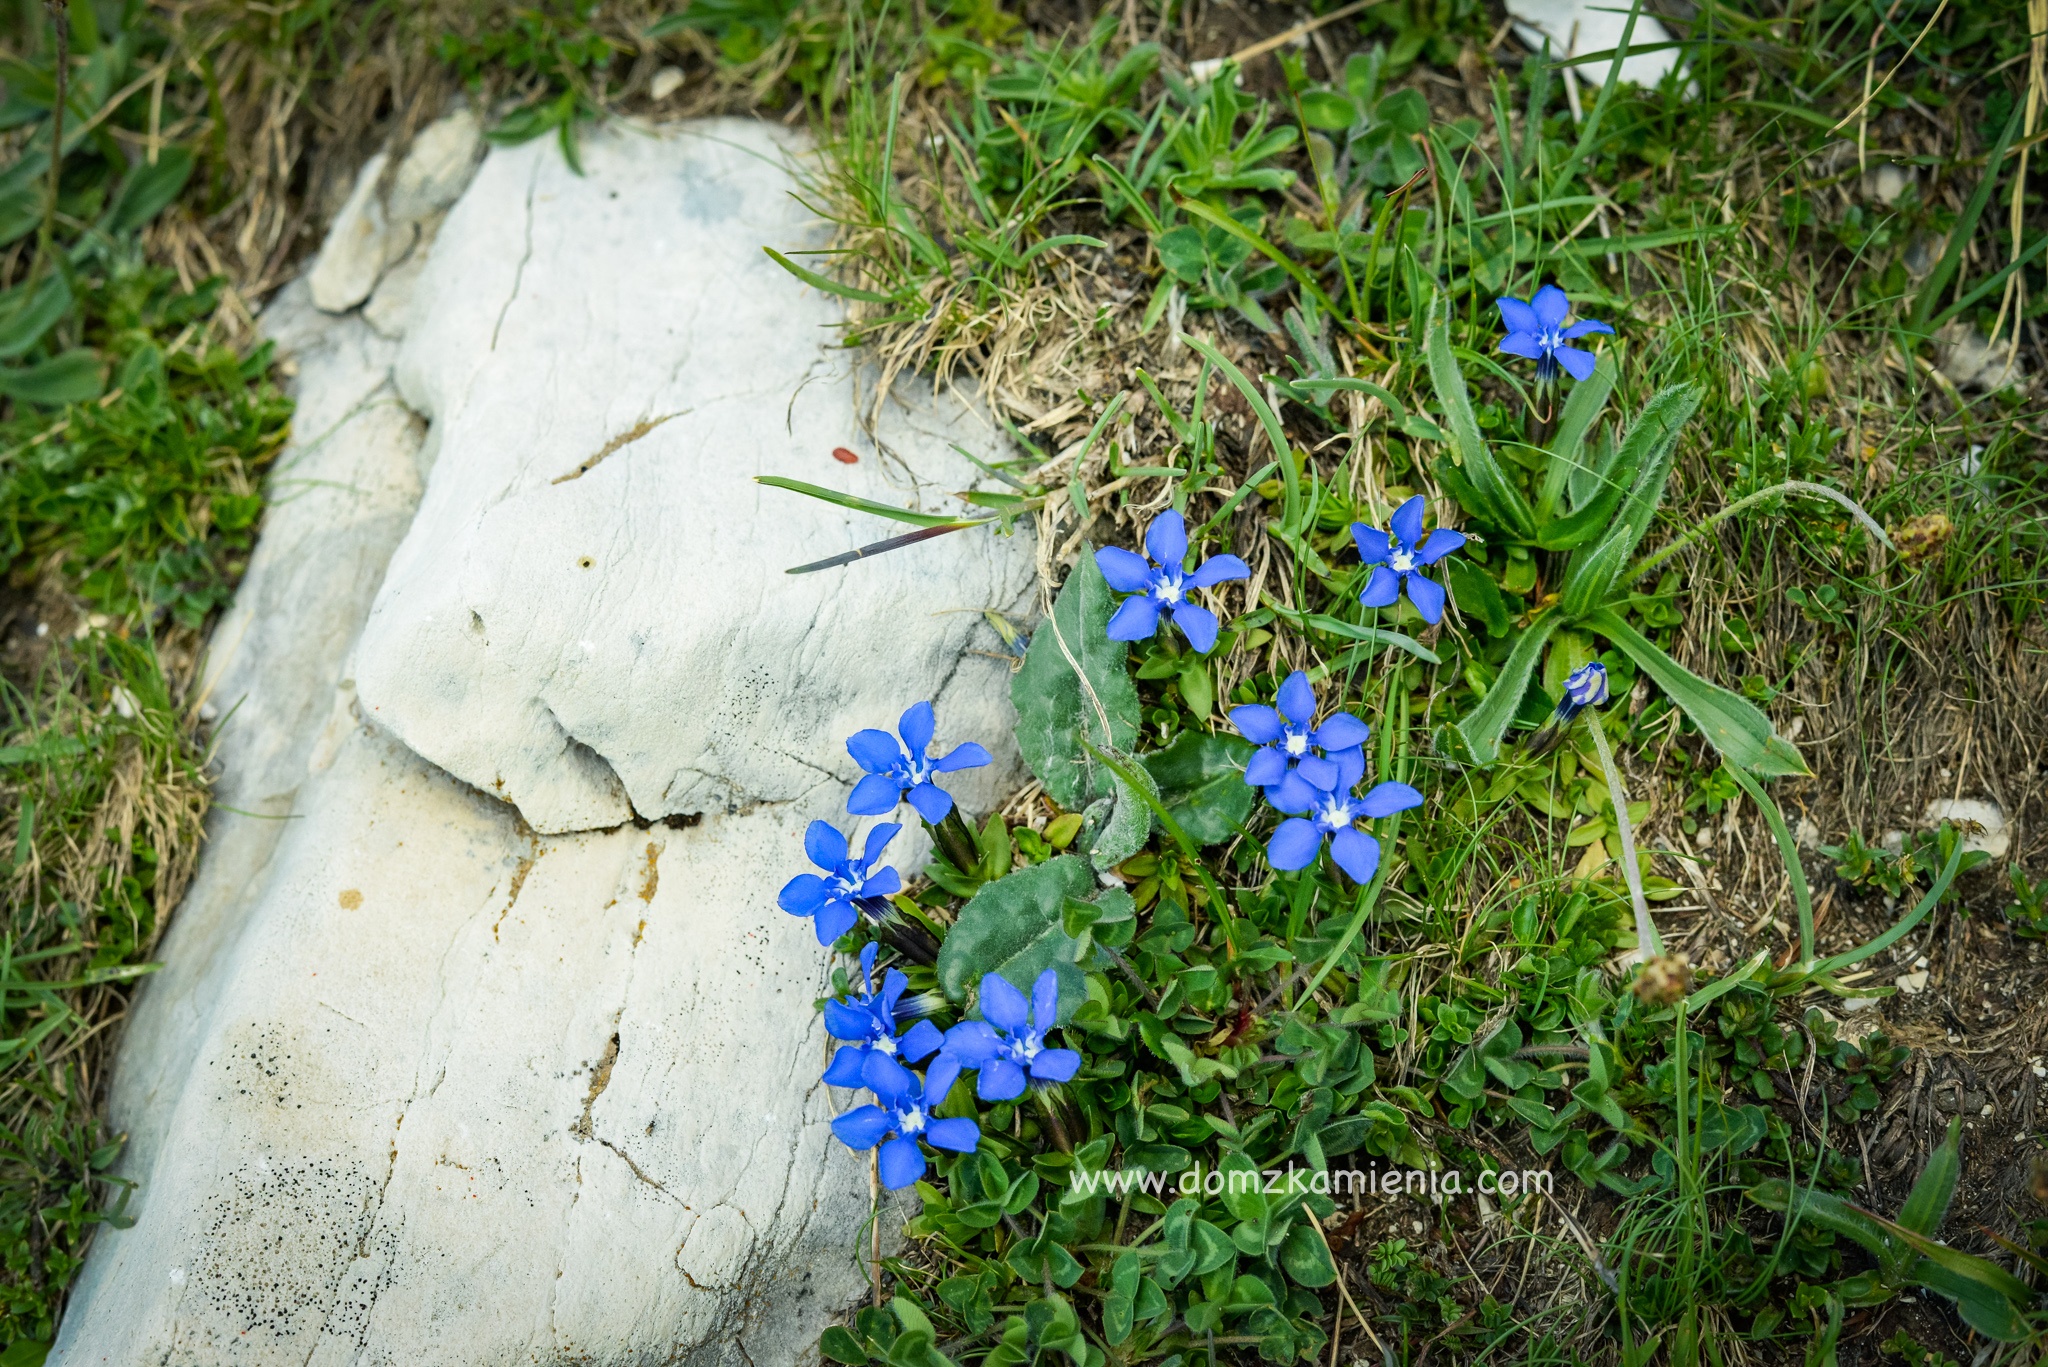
(1985, 827)
(591, 616)
(420, 1082)
(381, 222)
(1577, 27)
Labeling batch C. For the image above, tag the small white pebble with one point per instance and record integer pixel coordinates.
(177, 1276)
(42, 628)
(666, 82)
(1988, 1111)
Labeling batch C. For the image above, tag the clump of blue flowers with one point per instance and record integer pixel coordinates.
(1161, 589)
(849, 887)
(901, 1116)
(868, 1023)
(1007, 1046)
(1536, 330)
(1398, 557)
(896, 772)
(1296, 757)
(1334, 814)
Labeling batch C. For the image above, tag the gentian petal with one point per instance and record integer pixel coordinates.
(931, 801)
(1373, 546)
(957, 1133)
(1522, 344)
(1578, 364)
(878, 840)
(1406, 524)
(1550, 306)
(1297, 700)
(1438, 544)
(887, 1078)
(1387, 798)
(1317, 772)
(1166, 540)
(901, 1163)
(917, 726)
(1383, 590)
(1002, 1005)
(974, 1043)
(874, 751)
(939, 1080)
(1135, 620)
(919, 1040)
(862, 1127)
(1198, 624)
(833, 920)
(967, 756)
(1292, 794)
(1257, 723)
(825, 845)
(1294, 845)
(1056, 1065)
(1125, 570)
(1000, 1080)
(802, 895)
(1517, 316)
(1045, 1000)
(1341, 731)
(1428, 597)
(868, 952)
(882, 883)
(1586, 327)
(846, 1022)
(1266, 767)
(894, 984)
(1357, 853)
(1218, 569)
(844, 1070)
(874, 795)
(1350, 767)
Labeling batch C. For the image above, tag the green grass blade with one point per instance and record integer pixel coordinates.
(1482, 728)
(858, 504)
(825, 282)
(1504, 502)
(1965, 229)
(1788, 850)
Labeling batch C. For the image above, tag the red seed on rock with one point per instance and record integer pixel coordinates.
(844, 456)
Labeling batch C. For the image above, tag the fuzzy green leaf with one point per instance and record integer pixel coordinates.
(1057, 707)
(1014, 926)
(1201, 782)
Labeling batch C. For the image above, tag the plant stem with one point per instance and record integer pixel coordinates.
(957, 841)
(1648, 943)
(1790, 486)
(60, 20)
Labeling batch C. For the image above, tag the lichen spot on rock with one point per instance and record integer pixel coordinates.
(350, 899)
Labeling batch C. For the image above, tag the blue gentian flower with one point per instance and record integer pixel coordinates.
(1536, 330)
(1299, 839)
(1399, 554)
(895, 771)
(1289, 741)
(1165, 589)
(905, 1111)
(1584, 687)
(1008, 1044)
(869, 1023)
(848, 887)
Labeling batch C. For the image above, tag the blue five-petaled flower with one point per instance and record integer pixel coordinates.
(905, 1111)
(868, 1024)
(1536, 330)
(1299, 839)
(836, 899)
(1007, 1046)
(1287, 764)
(1399, 555)
(1163, 589)
(898, 771)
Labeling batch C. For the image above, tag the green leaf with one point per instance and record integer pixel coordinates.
(1057, 707)
(1120, 1305)
(149, 189)
(1927, 1204)
(1476, 595)
(1201, 782)
(863, 505)
(1305, 1257)
(25, 316)
(842, 1347)
(1481, 729)
(1014, 926)
(1406, 111)
(826, 282)
(1731, 724)
(73, 377)
(1649, 448)
(1327, 110)
(1128, 826)
(1503, 503)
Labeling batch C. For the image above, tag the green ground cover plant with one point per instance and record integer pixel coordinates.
(1254, 286)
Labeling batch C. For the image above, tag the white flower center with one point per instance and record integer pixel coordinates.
(1401, 561)
(1169, 591)
(885, 1044)
(847, 885)
(911, 1121)
(1336, 815)
(1297, 743)
(1550, 339)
